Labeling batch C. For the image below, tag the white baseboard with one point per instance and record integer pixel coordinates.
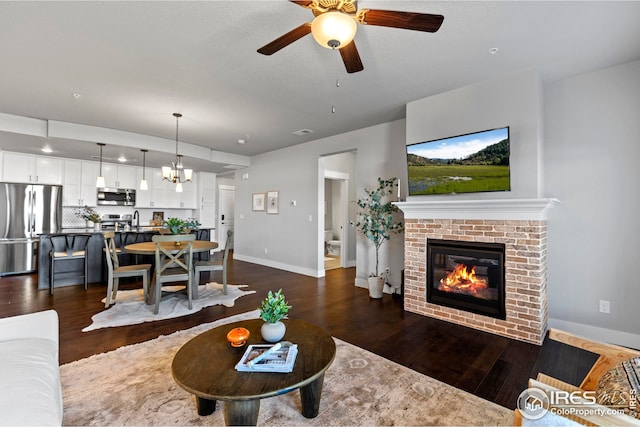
(595, 333)
(363, 283)
(279, 265)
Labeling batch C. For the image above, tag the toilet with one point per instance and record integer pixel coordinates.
(333, 246)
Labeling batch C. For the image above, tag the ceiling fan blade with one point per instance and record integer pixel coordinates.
(406, 20)
(286, 39)
(303, 3)
(351, 58)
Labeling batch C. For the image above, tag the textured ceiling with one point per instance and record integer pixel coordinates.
(135, 63)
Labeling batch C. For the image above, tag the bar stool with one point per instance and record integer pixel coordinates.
(67, 247)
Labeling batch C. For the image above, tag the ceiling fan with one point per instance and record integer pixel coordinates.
(335, 23)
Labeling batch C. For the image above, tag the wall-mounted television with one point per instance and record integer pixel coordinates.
(470, 163)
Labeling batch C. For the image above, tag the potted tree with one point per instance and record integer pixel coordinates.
(273, 309)
(377, 221)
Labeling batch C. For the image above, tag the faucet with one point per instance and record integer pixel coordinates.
(136, 219)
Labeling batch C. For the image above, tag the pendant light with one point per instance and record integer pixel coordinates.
(176, 173)
(100, 180)
(143, 181)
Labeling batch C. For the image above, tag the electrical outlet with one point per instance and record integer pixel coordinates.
(386, 271)
(605, 307)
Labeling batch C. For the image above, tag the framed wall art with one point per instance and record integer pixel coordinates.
(272, 202)
(257, 201)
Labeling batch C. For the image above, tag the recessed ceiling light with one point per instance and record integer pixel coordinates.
(76, 95)
(46, 149)
(241, 141)
(493, 50)
(122, 159)
(302, 132)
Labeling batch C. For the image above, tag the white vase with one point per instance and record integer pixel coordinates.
(97, 226)
(376, 284)
(273, 332)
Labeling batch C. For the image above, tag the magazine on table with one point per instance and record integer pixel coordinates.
(279, 357)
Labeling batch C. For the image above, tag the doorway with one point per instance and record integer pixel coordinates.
(335, 190)
(226, 207)
(335, 242)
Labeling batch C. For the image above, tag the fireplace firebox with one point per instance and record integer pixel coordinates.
(468, 276)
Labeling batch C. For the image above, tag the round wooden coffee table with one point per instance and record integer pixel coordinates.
(205, 365)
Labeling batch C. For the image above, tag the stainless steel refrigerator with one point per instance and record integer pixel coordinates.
(26, 211)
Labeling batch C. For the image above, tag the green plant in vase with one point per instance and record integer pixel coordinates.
(193, 224)
(92, 218)
(273, 309)
(176, 225)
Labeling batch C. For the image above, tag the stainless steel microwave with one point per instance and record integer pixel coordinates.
(116, 196)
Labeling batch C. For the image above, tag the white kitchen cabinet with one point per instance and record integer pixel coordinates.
(189, 195)
(79, 185)
(72, 183)
(147, 198)
(162, 192)
(88, 190)
(33, 169)
(206, 199)
(118, 176)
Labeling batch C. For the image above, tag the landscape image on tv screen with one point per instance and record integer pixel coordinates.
(470, 163)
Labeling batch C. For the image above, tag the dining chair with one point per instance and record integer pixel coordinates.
(214, 265)
(115, 271)
(67, 247)
(174, 262)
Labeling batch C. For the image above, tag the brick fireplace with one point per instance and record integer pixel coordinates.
(520, 224)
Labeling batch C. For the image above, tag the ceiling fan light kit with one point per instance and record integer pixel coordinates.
(333, 29)
(335, 25)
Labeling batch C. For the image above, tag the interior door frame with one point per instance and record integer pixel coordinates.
(221, 234)
(344, 213)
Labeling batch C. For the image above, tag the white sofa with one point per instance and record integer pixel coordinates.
(30, 389)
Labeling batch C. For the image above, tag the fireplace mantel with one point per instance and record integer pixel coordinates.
(494, 209)
(519, 224)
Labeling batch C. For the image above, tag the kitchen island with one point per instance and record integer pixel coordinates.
(70, 272)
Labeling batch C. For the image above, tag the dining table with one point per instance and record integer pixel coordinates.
(149, 248)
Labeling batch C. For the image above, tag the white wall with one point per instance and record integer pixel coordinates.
(513, 101)
(592, 149)
(577, 140)
(291, 237)
(343, 164)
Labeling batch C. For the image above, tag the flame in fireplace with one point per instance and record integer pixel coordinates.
(463, 280)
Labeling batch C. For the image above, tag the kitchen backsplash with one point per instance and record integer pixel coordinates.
(71, 220)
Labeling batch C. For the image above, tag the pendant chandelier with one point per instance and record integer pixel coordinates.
(176, 173)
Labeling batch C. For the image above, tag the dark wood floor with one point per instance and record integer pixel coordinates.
(489, 366)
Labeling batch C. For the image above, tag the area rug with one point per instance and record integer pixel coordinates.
(130, 308)
(133, 386)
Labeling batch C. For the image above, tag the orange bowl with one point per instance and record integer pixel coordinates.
(238, 337)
